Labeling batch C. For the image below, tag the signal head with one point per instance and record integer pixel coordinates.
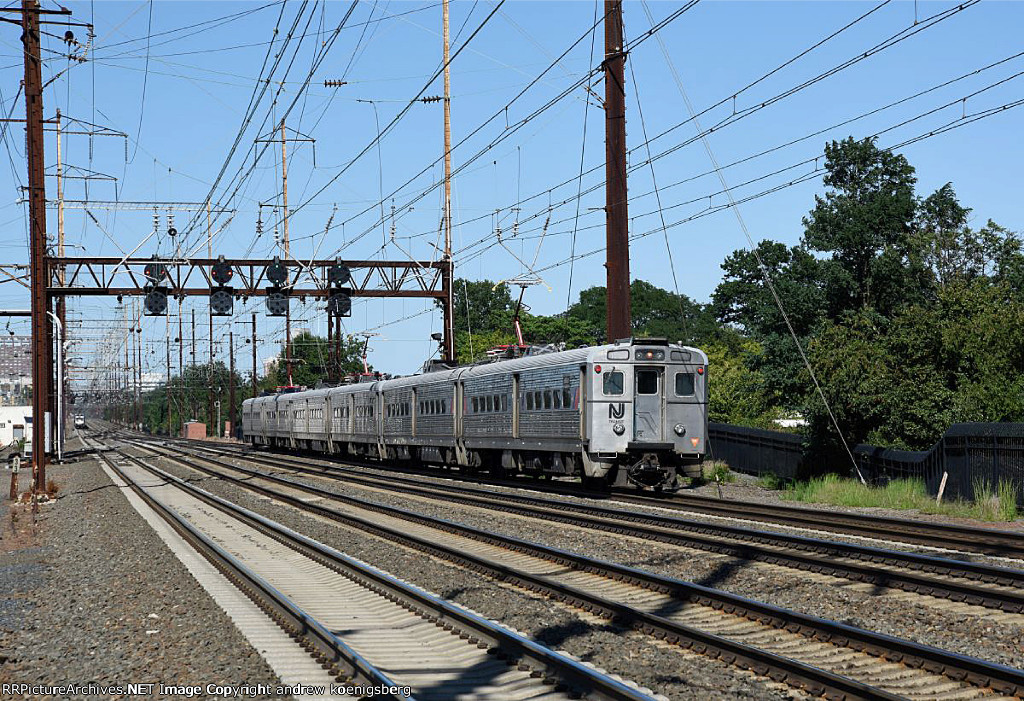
(222, 272)
(277, 273)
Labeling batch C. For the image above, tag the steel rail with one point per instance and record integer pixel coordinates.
(558, 671)
(995, 542)
(956, 667)
(783, 549)
(345, 664)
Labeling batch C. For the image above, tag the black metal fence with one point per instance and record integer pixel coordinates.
(971, 454)
(756, 451)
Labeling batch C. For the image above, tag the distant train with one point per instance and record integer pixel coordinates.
(631, 412)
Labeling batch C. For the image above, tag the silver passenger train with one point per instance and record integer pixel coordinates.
(631, 412)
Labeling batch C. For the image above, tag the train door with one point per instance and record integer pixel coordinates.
(515, 405)
(647, 404)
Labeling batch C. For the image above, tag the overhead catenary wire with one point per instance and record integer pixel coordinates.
(889, 42)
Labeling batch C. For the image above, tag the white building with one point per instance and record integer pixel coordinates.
(15, 423)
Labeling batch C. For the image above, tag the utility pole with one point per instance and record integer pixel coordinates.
(61, 303)
(209, 384)
(285, 243)
(167, 382)
(619, 316)
(231, 381)
(287, 252)
(330, 347)
(181, 373)
(446, 279)
(42, 333)
(193, 364)
(126, 389)
(255, 391)
(337, 347)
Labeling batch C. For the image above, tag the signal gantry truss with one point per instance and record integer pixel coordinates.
(191, 277)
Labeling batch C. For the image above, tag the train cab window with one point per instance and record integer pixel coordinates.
(566, 399)
(684, 384)
(613, 382)
(556, 399)
(646, 381)
(529, 401)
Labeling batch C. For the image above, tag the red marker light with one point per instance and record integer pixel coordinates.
(650, 354)
(700, 371)
(597, 369)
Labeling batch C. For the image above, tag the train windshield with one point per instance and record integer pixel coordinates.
(684, 384)
(613, 382)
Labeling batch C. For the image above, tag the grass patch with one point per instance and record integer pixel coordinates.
(770, 481)
(990, 504)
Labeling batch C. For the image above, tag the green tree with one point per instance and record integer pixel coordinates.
(864, 223)
(736, 393)
(947, 245)
(310, 357)
(656, 313)
(745, 301)
(478, 305)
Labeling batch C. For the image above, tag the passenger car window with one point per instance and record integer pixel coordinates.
(613, 382)
(556, 400)
(646, 381)
(444, 406)
(504, 402)
(547, 399)
(490, 403)
(529, 401)
(475, 404)
(567, 399)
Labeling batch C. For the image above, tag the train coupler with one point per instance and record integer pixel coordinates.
(647, 472)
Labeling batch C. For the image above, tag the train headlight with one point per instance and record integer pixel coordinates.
(679, 429)
(619, 429)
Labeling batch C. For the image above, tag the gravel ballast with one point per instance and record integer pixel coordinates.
(99, 599)
(666, 669)
(918, 618)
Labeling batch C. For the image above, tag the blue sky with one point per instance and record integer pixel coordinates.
(199, 82)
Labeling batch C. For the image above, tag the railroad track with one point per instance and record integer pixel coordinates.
(823, 656)
(363, 625)
(994, 542)
(962, 581)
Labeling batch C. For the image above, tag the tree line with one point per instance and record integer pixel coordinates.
(908, 315)
(193, 390)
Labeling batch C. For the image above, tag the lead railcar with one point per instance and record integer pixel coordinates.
(634, 411)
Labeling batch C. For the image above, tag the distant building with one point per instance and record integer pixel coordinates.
(15, 369)
(15, 423)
